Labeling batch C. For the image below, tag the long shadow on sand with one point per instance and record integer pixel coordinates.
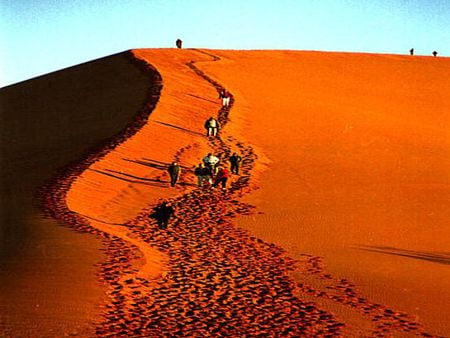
(201, 98)
(137, 180)
(441, 258)
(149, 163)
(177, 127)
(153, 163)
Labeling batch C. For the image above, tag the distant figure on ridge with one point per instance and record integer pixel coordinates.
(162, 214)
(179, 43)
(411, 51)
(222, 177)
(174, 171)
(435, 53)
(225, 96)
(211, 162)
(235, 161)
(203, 174)
(212, 126)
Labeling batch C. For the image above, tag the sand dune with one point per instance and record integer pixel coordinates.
(359, 148)
(348, 154)
(48, 278)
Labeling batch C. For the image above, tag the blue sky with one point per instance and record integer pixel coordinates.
(41, 36)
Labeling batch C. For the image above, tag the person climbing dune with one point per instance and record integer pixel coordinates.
(211, 162)
(235, 163)
(203, 174)
(174, 171)
(226, 97)
(222, 177)
(162, 214)
(212, 126)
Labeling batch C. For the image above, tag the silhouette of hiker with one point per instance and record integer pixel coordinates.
(203, 174)
(162, 214)
(435, 53)
(174, 171)
(222, 177)
(179, 43)
(411, 51)
(235, 161)
(212, 126)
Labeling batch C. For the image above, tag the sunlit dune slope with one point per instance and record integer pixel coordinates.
(359, 146)
(133, 175)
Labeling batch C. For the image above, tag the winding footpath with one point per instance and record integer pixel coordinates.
(216, 279)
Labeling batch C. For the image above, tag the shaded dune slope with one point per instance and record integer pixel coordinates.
(55, 119)
(48, 122)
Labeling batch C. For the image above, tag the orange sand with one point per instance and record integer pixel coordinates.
(133, 175)
(355, 146)
(359, 171)
(353, 166)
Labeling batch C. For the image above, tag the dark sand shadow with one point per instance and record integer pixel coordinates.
(139, 180)
(148, 163)
(143, 181)
(154, 164)
(179, 128)
(441, 258)
(202, 98)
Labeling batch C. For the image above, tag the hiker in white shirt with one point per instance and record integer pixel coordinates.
(211, 162)
(212, 126)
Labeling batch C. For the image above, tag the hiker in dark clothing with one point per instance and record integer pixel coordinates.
(212, 126)
(174, 171)
(162, 214)
(203, 174)
(235, 161)
(179, 43)
(411, 51)
(435, 53)
(222, 177)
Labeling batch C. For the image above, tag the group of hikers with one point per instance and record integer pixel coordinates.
(210, 171)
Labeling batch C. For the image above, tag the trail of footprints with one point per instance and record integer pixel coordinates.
(220, 280)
